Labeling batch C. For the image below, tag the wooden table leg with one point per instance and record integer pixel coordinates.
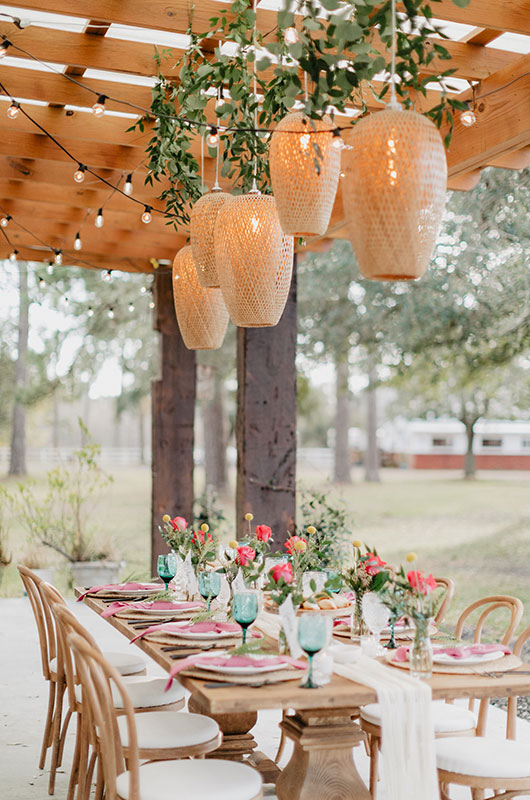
(237, 742)
(322, 765)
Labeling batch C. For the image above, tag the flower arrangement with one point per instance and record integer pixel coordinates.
(282, 584)
(369, 573)
(184, 540)
(249, 556)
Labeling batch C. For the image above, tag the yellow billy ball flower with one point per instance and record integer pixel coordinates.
(233, 544)
(249, 517)
(411, 557)
(301, 546)
(205, 528)
(311, 530)
(357, 543)
(166, 518)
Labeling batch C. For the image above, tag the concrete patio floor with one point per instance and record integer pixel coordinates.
(23, 694)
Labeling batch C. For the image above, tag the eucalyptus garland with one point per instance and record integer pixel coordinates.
(333, 62)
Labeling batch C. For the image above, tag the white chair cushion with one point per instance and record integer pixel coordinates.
(53, 665)
(125, 663)
(164, 729)
(447, 718)
(202, 779)
(482, 757)
(145, 692)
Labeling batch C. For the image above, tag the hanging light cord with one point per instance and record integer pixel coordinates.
(255, 85)
(393, 98)
(203, 185)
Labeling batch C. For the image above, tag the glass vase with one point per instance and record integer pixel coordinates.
(421, 651)
(358, 625)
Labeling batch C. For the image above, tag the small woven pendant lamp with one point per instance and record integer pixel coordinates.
(201, 313)
(202, 223)
(304, 194)
(394, 193)
(254, 260)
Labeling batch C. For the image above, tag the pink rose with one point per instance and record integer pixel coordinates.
(263, 533)
(417, 580)
(202, 537)
(284, 571)
(179, 524)
(373, 564)
(245, 554)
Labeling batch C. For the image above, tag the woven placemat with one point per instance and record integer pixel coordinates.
(279, 676)
(167, 638)
(406, 635)
(500, 664)
(135, 613)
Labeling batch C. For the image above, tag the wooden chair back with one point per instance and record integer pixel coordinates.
(67, 623)
(511, 722)
(43, 618)
(490, 605)
(449, 589)
(97, 679)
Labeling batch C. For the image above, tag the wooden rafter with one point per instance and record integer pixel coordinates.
(34, 252)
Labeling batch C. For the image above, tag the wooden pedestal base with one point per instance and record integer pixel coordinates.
(322, 765)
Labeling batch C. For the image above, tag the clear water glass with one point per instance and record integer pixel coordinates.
(245, 607)
(167, 568)
(376, 615)
(314, 633)
(209, 585)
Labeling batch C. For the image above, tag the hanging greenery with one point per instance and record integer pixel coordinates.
(336, 59)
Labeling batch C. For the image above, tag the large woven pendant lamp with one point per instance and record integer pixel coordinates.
(254, 260)
(201, 313)
(394, 188)
(304, 193)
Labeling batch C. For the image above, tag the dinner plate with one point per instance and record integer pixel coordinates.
(249, 670)
(206, 635)
(133, 593)
(477, 658)
(168, 612)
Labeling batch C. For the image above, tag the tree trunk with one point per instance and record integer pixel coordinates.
(372, 454)
(469, 462)
(341, 471)
(17, 462)
(141, 431)
(214, 435)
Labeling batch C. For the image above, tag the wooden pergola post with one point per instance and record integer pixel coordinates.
(173, 410)
(266, 423)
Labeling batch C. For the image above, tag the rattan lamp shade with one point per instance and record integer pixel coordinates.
(202, 224)
(304, 196)
(201, 313)
(394, 193)
(254, 260)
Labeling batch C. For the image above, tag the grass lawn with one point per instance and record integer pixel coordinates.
(476, 532)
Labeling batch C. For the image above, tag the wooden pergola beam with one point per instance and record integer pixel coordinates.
(519, 159)
(82, 196)
(39, 254)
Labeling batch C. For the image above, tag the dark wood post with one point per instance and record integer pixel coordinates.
(266, 423)
(173, 410)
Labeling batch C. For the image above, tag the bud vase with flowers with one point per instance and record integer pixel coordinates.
(369, 573)
(248, 556)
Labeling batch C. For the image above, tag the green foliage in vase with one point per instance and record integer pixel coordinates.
(333, 528)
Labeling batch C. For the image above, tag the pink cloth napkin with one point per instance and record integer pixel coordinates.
(458, 651)
(131, 587)
(156, 605)
(232, 661)
(198, 627)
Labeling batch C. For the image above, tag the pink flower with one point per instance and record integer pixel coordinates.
(284, 571)
(417, 580)
(263, 533)
(179, 524)
(245, 554)
(202, 537)
(295, 543)
(373, 564)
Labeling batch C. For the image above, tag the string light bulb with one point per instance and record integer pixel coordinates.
(79, 174)
(4, 222)
(49, 268)
(107, 276)
(12, 111)
(143, 290)
(58, 257)
(110, 313)
(98, 109)
(78, 244)
(291, 36)
(131, 307)
(90, 311)
(146, 216)
(213, 138)
(152, 304)
(128, 188)
(337, 142)
(42, 283)
(3, 48)
(13, 256)
(99, 219)
(468, 118)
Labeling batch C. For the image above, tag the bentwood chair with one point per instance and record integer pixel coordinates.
(119, 742)
(449, 720)
(448, 587)
(502, 766)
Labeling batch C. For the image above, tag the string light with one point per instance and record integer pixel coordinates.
(143, 290)
(78, 244)
(152, 304)
(99, 219)
(79, 174)
(58, 257)
(42, 283)
(98, 109)
(146, 216)
(107, 276)
(49, 268)
(4, 222)
(13, 256)
(337, 142)
(128, 188)
(291, 36)
(90, 311)
(3, 48)
(131, 307)
(468, 118)
(12, 111)
(213, 138)
(220, 98)
(110, 313)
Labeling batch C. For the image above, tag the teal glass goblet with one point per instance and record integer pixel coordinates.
(245, 610)
(209, 585)
(167, 568)
(314, 631)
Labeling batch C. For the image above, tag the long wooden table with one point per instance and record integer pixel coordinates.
(323, 727)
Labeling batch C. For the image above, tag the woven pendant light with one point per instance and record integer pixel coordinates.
(254, 260)
(202, 224)
(304, 194)
(394, 192)
(201, 313)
